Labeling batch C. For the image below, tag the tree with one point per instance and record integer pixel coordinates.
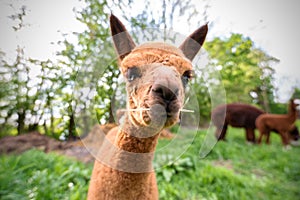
(17, 95)
(88, 63)
(296, 93)
(28, 89)
(245, 70)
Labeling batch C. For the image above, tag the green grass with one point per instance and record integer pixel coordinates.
(232, 170)
(36, 175)
(236, 170)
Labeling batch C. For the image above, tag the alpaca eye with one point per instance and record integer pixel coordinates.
(133, 73)
(187, 76)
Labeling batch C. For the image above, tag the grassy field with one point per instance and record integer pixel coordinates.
(233, 170)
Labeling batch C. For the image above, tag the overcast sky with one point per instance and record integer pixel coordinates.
(272, 24)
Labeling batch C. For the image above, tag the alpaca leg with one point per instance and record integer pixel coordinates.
(260, 136)
(264, 132)
(284, 138)
(250, 135)
(268, 138)
(221, 132)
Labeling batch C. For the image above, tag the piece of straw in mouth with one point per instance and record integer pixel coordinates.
(147, 109)
(135, 109)
(186, 110)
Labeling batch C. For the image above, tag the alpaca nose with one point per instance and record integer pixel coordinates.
(168, 94)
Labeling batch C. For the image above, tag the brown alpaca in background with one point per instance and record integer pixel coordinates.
(236, 115)
(283, 124)
(241, 116)
(155, 74)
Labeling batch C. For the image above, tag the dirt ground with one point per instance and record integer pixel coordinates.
(82, 149)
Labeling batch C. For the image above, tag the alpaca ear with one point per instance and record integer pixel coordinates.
(193, 43)
(121, 38)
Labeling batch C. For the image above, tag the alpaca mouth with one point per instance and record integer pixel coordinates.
(156, 107)
(168, 113)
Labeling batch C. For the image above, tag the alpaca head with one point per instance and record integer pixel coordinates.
(294, 134)
(155, 74)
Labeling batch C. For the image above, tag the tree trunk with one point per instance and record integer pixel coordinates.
(21, 123)
(265, 101)
(33, 127)
(111, 118)
(71, 129)
(45, 128)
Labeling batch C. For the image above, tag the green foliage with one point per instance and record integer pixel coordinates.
(93, 61)
(245, 70)
(31, 90)
(35, 175)
(166, 172)
(296, 93)
(234, 170)
(279, 108)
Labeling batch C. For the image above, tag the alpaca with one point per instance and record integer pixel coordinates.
(236, 115)
(155, 75)
(282, 124)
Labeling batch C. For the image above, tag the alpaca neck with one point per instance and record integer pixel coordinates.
(136, 139)
(130, 150)
(292, 114)
(124, 168)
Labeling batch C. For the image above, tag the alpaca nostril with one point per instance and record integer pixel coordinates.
(165, 93)
(158, 90)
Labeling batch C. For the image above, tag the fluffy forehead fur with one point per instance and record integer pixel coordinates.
(150, 53)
